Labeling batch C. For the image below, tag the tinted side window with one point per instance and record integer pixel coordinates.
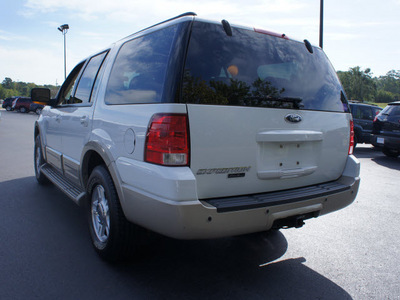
(376, 111)
(395, 111)
(139, 70)
(354, 111)
(65, 93)
(365, 113)
(85, 85)
(391, 110)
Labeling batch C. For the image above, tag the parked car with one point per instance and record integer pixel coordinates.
(198, 129)
(7, 103)
(35, 107)
(386, 130)
(363, 117)
(22, 104)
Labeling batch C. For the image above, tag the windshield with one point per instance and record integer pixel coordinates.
(254, 69)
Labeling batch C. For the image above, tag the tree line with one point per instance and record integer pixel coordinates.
(10, 88)
(361, 85)
(358, 84)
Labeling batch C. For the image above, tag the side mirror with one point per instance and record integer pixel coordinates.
(41, 96)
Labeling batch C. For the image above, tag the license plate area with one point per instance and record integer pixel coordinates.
(285, 160)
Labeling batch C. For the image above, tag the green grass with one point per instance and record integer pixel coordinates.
(383, 105)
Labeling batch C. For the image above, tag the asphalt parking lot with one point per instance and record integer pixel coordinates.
(45, 251)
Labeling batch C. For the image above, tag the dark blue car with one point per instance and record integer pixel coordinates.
(363, 117)
(386, 130)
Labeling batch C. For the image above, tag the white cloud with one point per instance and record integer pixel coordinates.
(92, 35)
(128, 11)
(341, 36)
(31, 65)
(51, 24)
(9, 36)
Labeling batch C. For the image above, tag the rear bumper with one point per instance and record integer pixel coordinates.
(278, 198)
(194, 219)
(389, 142)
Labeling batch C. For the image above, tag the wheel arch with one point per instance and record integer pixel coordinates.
(37, 132)
(94, 155)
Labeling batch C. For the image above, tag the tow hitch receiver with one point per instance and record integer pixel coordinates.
(294, 221)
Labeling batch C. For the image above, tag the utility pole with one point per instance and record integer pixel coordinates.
(321, 23)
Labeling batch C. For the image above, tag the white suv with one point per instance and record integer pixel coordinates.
(198, 129)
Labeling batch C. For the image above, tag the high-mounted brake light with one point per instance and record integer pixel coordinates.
(283, 36)
(167, 140)
(351, 143)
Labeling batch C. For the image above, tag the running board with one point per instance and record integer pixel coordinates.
(69, 188)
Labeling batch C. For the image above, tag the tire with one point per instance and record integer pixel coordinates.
(38, 111)
(22, 110)
(8, 108)
(390, 153)
(111, 234)
(38, 162)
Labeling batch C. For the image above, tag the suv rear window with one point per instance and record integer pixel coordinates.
(259, 70)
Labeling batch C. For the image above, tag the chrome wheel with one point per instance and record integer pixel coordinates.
(113, 237)
(100, 214)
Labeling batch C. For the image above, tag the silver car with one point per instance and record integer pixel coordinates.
(198, 129)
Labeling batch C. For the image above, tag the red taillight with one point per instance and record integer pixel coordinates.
(167, 140)
(351, 144)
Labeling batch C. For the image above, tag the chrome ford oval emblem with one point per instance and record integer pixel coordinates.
(293, 118)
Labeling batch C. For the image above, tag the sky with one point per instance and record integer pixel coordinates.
(361, 33)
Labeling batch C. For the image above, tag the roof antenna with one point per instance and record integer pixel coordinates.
(227, 27)
(308, 46)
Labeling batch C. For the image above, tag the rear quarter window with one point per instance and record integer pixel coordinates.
(139, 71)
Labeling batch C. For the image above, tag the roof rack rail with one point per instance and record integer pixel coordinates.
(177, 17)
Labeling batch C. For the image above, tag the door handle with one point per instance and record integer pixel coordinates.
(85, 121)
